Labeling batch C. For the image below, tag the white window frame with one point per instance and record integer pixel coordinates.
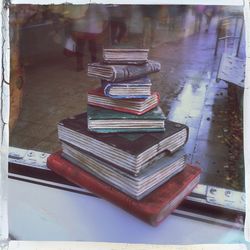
(5, 243)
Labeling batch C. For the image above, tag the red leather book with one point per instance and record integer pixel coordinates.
(153, 208)
(96, 97)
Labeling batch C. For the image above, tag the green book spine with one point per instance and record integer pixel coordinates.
(97, 113)
(102, 120)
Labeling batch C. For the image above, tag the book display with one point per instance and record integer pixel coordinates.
(140, 127)
(123, 148)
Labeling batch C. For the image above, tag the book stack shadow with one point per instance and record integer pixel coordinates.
(123, 148)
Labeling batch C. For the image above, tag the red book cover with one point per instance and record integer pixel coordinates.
(153, 208)
(96, 97)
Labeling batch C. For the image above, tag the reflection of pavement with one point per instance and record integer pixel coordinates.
(186, 82)
(191, 95)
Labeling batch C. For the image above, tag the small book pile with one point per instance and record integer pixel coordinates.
(124, 102)
(123, 148)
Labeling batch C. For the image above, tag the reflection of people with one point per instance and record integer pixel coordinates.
(118, 26)
(209, 13)
(150, 15)
(199, 10)
(89, 28)
(173, 15)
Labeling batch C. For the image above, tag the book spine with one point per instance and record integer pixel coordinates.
(114, 73)
(108, 87)
(101, 189)
(170, 207)
(131, 72)
(158, 97)
(141, 81)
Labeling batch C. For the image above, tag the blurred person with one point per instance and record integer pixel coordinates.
(173, 14)
(118, 25)
(209, 12)
(199, 12)
(89, 28)
(182, 14)
(150, 14)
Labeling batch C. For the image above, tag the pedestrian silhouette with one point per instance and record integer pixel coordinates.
(88, 29)
(118, 25)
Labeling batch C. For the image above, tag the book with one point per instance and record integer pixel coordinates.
(136, 187)
(101, 120)
(126, 56)
(139, 88)
(123, 72)
(153, 208)
(127, 150)
(129, 171)
(97, 98)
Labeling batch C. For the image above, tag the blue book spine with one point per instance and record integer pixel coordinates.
(139, 83)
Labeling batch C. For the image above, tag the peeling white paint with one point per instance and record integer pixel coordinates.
(4, 134)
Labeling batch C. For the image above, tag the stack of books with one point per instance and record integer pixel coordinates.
(124, 102)
(123, 148)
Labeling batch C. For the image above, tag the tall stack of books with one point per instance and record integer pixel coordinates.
(123, 148)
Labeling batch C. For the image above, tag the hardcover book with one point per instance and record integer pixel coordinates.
(153, 208)
(136, 187)
(103, 120)
(97, 98)
(127, 150)
(139, 88)
(126, 56)
(123, 72)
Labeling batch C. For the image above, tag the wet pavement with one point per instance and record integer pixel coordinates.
(187, 85)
